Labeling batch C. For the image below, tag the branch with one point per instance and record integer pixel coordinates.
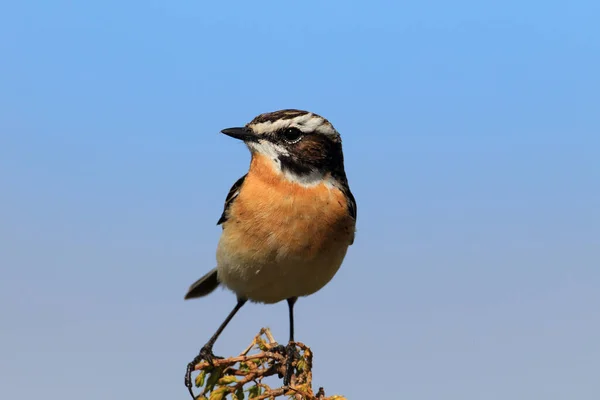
(243, 375)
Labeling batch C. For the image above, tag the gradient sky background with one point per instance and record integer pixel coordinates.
(472, 139)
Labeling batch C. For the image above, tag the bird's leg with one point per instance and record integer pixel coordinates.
(290, 350)
(206, 352)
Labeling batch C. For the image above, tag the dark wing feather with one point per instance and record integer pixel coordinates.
(340, 177)
(351, 206)
(351, 203)
(204, 285)
(233, 192)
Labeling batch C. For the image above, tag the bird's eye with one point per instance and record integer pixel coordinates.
(292, 135)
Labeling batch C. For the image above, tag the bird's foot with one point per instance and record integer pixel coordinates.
(204, 354)
(292, 355)
(279, 349)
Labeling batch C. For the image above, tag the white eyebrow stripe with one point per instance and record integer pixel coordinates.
(318, 125)
(306, 123)
(270, 126)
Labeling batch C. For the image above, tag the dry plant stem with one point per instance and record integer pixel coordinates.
(263, 331)
(271, 393)
(234, 360)
(235, 373)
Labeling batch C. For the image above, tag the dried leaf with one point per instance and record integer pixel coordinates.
(261, 344)
(301, 364)
(226, 380)
(219, 394)
(213, 378)
(254, 391)
(239, 393)
(200, 379)
(244, 367)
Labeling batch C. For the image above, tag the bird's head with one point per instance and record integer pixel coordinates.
(302, 145)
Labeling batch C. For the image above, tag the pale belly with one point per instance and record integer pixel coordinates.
(276, 277)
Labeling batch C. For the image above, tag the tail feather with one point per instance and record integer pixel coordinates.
(203, 286)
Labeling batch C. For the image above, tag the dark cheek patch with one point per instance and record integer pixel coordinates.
(312, 153)
(292, 164)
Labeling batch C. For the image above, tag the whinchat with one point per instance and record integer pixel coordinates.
(287, 223)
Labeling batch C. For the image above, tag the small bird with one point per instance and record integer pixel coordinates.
(287, 223)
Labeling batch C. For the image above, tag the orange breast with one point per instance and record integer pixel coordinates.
(276, 218)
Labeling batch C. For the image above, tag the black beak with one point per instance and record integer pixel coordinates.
(244, 133)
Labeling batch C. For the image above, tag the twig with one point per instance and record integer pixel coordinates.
(231, 376)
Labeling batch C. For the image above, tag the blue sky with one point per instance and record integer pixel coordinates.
(472, 141)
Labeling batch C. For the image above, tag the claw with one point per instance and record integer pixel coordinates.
(279, 349)
(291, 355)
(204, 354)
